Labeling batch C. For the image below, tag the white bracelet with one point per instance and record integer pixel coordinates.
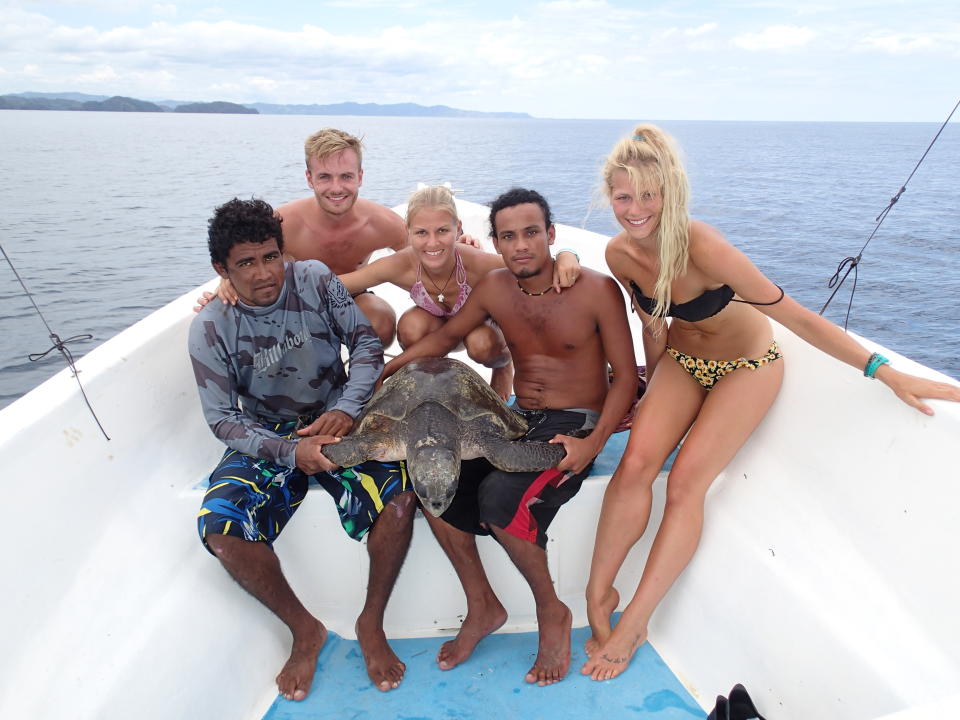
(574, 252)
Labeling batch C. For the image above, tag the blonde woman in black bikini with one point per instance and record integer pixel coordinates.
(714, 371)
(439, 273)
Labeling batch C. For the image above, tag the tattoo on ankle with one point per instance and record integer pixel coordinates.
(615, 661)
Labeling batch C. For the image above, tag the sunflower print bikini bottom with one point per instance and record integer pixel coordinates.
(709, 372)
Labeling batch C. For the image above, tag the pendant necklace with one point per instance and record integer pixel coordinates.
(440, 295)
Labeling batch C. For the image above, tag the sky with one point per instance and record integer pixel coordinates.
(760, 60)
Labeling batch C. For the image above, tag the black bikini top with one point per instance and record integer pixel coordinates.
(706, 305)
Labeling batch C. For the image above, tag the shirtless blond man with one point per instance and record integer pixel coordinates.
(336, 225)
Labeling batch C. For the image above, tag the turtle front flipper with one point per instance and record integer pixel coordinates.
(515, 456)
(351, 450)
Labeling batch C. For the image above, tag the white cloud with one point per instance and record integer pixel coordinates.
(557, 58)
(101, 74)
(382, 4)
(775, 37)
(898, 44)
(701, 29)
(106, 5)
(574, 5)
(263, 83)
(166, 11)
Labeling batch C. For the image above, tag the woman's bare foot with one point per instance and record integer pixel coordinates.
(598, 614)
(553, 655)
(501, 380)
(612, 657)
(384, 668)
(295, 678)
(476, 626)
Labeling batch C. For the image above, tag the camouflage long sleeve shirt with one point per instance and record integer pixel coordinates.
(262, 365)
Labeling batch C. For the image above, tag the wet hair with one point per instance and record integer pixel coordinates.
(518, 196)
(432, 196)
(651, 159)
(324, 143)
(239, 221)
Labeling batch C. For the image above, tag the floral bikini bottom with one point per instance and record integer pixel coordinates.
(708, 372)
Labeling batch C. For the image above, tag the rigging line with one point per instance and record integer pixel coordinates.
(58, 344)
(850, 263)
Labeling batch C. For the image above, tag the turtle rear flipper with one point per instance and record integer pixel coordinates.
(520, 456)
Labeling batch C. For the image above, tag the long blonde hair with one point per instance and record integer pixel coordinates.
(432, 196)
(651, 160)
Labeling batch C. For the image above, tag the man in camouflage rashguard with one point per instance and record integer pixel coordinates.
(274, 390)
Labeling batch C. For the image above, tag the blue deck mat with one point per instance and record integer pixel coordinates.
(489, 685)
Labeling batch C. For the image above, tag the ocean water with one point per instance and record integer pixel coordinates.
(104, 214)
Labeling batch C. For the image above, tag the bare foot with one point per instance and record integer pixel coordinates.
(613, 656)
(599, 617)
(476, 626)
(297, 675)
(501, 380)
(383, 667)
(553, 655)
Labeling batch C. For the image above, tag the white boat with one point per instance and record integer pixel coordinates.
(826, 580)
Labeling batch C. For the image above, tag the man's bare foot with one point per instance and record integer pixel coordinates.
(476, 626)
(501, 380)
(598, 614)
(553, 655)
(297, 675)
(613, 657)
(383, 667)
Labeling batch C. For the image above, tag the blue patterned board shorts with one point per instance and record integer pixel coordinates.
(254, 499)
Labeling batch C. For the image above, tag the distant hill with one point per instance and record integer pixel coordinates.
(216, 107)
(394, 110)
(17, 102)
(80, 101)
(44, 101)
(118, 103)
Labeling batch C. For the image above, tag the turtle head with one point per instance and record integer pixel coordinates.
(435, 472)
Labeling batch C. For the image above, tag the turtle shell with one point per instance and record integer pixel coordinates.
(447, 382)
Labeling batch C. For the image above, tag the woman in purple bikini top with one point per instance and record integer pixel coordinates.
(423, 299)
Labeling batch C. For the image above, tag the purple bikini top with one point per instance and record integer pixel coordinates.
(420, 296)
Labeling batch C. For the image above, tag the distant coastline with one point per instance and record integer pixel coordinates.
(119, 103)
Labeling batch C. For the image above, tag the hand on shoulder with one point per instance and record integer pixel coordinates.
(225, 292)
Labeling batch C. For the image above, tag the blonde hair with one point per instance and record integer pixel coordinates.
(324, 143)
(432, 196)
(651, 160)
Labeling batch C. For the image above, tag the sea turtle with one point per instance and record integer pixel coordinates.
(436, 412)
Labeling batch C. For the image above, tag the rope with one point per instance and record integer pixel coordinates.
(58, 344)
(851, 263)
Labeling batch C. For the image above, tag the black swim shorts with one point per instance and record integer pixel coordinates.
(524, 504)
